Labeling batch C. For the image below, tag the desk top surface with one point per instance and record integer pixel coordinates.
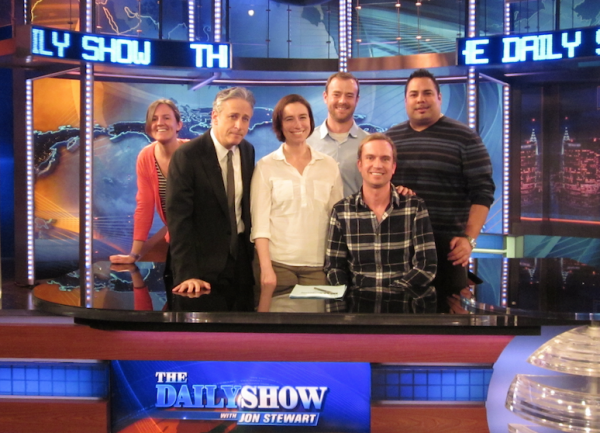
(516, 294)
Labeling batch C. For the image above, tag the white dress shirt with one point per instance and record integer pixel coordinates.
(291, 209)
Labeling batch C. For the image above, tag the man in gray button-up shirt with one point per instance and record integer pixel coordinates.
(339, 136)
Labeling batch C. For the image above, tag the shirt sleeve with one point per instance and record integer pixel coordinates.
(337, 192)
(336, 254)
(180, 217)
(478, 173)
(260, 204)
(144, 210)
(424, 260)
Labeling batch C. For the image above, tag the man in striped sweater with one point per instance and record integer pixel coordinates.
(446, 164)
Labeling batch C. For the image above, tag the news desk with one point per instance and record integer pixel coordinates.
(114, 321)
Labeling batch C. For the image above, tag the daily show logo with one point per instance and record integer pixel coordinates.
(246, 404)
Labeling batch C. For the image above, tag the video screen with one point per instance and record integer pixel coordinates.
(575, 174)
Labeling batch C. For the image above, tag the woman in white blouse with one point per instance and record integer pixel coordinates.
(292, 194)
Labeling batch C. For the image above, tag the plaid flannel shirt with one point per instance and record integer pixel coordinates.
(387, 265)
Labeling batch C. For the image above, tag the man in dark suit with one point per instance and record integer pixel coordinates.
(208, 211)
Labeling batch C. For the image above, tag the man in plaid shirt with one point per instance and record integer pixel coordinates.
(380, 244)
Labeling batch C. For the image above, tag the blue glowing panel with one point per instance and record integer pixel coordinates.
(536, 47)
(53, 379)
(393, 383)
(61, 44)
(241, 396)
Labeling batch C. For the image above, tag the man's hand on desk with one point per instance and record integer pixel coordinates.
(192, 288)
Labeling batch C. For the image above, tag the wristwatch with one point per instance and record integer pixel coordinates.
(472, 241)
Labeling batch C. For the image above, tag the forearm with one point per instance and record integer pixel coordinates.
(268, 280)
(336, 276)
(424, 260)
(423, 270)
(262, 250)
(477, 217)
(144, 209)
(336, 256)
(136, 249)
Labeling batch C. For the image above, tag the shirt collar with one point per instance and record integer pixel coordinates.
(323, 130)
(395, 198)
(314, 154)
(219, 148)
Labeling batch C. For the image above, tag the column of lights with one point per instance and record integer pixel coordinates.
(89, 16)
(344, 6)
(418, 37)
(472, 98)
(218, 20)
(86, 274)
(472, 20)
(505, 155)
(504, 282)
(29, 181)
(191, 20)
(506, 133)
(471, 77)
(86, 223)
(349, 30)
(398, 38)
(358, 39)
(507, 17)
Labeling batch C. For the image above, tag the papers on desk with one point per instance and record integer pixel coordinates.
(317, 292)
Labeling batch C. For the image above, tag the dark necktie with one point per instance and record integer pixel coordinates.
(231, 204)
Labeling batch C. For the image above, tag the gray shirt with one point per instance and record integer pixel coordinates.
(344, 153)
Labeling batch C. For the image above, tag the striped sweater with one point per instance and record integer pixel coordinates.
(448, 166)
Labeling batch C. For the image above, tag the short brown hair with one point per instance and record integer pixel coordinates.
(152, 108)
(378, 136)
(278, 114)
(343, 76)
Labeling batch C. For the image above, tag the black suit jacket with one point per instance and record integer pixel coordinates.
(197, 212)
